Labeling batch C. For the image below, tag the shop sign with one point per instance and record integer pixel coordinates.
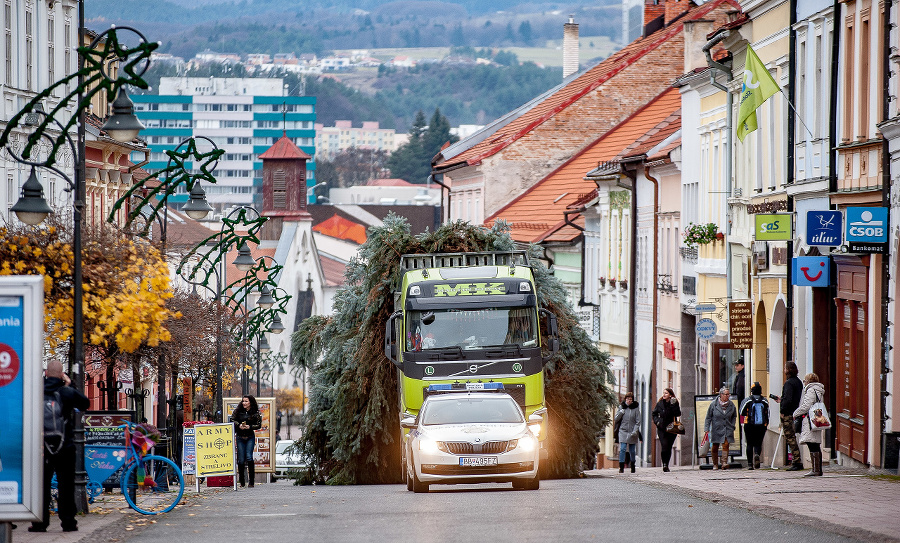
(867, 229)
(705, 308)
(706, 329)
(669, 349)
(740, 324)
(811, 271)
(824, 228)
(774, 227)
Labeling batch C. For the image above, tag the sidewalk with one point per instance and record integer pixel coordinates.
(844, 501)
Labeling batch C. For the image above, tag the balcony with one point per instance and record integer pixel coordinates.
(664, 284)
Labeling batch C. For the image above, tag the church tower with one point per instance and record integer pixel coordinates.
(284, 186)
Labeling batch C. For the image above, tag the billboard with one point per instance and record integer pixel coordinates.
(264, 452)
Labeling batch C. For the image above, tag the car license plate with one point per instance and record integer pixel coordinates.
(478, 461)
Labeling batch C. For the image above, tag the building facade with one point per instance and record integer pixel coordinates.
(331, 140)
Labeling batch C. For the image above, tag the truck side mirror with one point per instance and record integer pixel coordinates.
(390, 338)
(550, 326)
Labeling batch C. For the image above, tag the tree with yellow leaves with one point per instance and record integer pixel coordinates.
(126, 283)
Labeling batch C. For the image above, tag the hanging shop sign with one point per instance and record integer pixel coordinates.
(774, 227)
(867, 229)
(706, 329)
(767, 207)
(740, 324)
(811, 271)
(824, 228)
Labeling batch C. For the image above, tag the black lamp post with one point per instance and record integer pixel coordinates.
(106, 390)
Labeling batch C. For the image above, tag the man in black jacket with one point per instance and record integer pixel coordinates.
(739, 387)
(63, 462)
(791, 394)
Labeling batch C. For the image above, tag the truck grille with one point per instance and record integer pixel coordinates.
(491, 447)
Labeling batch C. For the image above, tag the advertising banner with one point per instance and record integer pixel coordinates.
(215, 449)
(264, 452)
(811, 271)
(188, 452)
(867, 229)
(21, 397)
(824, 228)
(774, 227)
(740, 324)
(104, 445)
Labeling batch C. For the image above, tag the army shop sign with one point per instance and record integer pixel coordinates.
(215, 449)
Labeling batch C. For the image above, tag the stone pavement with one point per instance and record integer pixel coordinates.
(843, 501)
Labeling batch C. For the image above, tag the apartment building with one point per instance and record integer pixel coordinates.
(331, 140)
(242, 116)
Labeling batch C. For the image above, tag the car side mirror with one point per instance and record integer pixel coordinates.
(408, 422)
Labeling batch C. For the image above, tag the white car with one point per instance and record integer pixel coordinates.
(285, 459)
(471, 437)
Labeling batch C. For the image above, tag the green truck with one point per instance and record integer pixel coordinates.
(463, 320)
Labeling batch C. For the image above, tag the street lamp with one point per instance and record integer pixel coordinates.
(32, 208)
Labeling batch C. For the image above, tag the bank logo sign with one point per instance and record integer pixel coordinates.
(811, 271)
(824, 228)
(773, 227)
(867, 224)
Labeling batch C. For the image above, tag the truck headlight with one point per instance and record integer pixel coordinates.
(535, 429)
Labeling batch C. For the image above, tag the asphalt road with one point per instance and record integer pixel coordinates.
(593, 509)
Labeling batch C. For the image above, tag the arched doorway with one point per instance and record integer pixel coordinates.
(760, 347)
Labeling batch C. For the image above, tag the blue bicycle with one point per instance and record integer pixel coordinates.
(151, 484)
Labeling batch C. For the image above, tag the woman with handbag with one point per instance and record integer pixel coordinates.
(665, 416)
(755, 416)
(720, 420)
(628, 418)
(813, 392)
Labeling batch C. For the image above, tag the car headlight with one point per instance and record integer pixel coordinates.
(527, 443)
(428, 445)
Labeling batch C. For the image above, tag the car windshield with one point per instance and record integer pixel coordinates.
(282, 446)
(472, 410)
(473, 329)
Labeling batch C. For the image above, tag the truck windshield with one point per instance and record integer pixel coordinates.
(477, 329)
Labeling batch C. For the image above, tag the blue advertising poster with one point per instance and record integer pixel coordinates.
(811, 271)
(11, 397)
(824, 228)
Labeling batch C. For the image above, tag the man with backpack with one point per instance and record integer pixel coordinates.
(755, 416)
(60, 402)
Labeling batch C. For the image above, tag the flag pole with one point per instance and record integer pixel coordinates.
(799, 118)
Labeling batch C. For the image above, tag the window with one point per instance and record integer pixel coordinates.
(9, 46)
(67, 41)
(51, 52)
(279, 189)
(849, 80)
(29, 50)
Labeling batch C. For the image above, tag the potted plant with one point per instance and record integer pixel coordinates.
(612, 283)
(701, 234)
(623, 284)
(602, 282)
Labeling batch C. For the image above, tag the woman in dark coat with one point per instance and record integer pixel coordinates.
(247, 420)
(720, 420)
(628, 420)
(665, 412)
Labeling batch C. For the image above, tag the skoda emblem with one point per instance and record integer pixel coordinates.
(429, 370)
(517, 367)
(477, 440)
(473, 368)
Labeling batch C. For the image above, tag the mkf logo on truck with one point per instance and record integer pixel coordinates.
(469, 289)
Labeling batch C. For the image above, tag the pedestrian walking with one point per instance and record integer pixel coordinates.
(61, 401)
(720, 420)
(813, 392)
(790, 400)
(666, 411)
(628, 419)
(247, 420)
(755, 416)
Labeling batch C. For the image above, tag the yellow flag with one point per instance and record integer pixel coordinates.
(757, 88)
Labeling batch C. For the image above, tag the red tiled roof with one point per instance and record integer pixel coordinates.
(284, 148)
(341, 228)
(654, 136)
(663, 154)
(545, 202)
(574, 90)
(232, 274)
(333, 270)
(388, 183)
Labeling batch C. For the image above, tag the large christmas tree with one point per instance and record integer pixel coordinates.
(352, 430)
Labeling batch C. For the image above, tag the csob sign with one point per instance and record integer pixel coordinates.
(824, 228)
(867, 229)
(811, 271)
(773, 227)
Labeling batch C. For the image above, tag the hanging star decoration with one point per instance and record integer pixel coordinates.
(255, 279)
(147, 200)
(207, 254)
(95, 79)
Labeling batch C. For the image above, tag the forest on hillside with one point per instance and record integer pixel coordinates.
(186, 28)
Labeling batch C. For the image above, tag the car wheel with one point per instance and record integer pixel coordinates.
(532, 484)
(417, 486)
(517, 484)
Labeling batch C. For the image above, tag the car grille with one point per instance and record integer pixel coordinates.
(491, 447)
(516, 467)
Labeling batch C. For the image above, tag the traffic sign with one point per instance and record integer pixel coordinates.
(706, 329)
(705, 308)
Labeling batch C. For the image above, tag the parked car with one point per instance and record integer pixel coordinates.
(471, 437)
(287, 458)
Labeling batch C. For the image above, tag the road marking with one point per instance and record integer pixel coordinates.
(271, 515)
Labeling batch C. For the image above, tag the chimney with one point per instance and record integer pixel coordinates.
(570, 47)
(675, 8)
(653, 9)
